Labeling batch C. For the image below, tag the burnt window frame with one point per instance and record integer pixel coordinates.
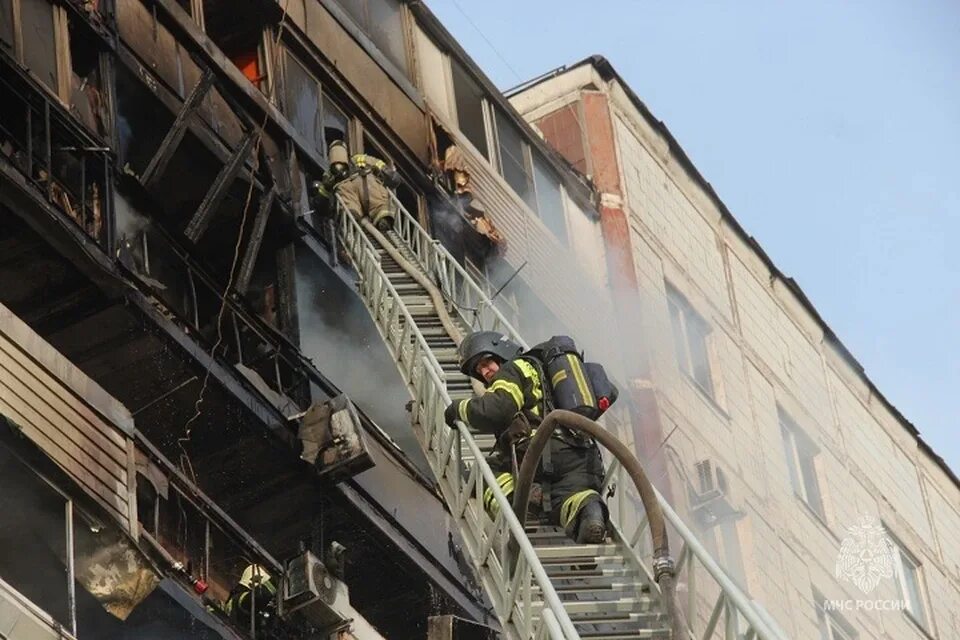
(324, 98)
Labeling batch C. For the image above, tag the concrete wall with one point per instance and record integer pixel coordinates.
(768, 353)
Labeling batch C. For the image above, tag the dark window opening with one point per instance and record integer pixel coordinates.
(336, 124)
(372, 148)
(469, 100)
(142, 122)
(237, 28)
(410, 199)
(86, 99)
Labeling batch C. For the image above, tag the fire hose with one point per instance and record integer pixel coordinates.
(663, 565)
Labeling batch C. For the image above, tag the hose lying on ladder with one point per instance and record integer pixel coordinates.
(436, 297)
(663, 566)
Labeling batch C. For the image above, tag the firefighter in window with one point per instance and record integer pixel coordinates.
(361, 182)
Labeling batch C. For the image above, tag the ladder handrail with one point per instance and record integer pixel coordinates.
(423, 372)
(444, 452)
(436, 260)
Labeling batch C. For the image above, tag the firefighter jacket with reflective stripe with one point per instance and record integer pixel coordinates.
(515, 389)
(571, 467)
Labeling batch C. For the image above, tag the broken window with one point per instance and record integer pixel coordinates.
(382, 21)
(690, 332)
(86, 99)
(39, 49)
(514, 160)
(549, 198)
(469, 99)
(801, 455)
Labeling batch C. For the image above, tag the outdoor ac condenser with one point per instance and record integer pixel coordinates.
(333, 441)
(711, 501)
(310, 589)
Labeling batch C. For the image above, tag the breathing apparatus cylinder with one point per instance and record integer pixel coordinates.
(576, 386)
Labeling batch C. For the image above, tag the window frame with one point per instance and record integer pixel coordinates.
(486, 117)
(795, 442)
(904, 558)
(526, 159)
(832, 625)
(323, 97)
(686, 312)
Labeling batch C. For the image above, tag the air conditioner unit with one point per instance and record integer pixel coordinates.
(710, 499)
(333, 441)
(312, 591)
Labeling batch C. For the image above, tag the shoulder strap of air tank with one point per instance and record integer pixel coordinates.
(545, 387)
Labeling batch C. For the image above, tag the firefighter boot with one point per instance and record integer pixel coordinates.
(592, 528)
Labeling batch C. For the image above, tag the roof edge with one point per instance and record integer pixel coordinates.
(608, 73)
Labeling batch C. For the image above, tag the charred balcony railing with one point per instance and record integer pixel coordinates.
(44, 143)
(202, 546)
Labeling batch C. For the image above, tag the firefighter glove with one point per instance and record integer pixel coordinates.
(452, 413)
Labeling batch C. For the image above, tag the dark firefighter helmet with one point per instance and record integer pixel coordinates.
(485, 343)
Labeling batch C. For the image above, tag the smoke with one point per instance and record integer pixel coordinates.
(337, 333)
(130, 222)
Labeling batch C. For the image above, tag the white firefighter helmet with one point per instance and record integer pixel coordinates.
(337, 153)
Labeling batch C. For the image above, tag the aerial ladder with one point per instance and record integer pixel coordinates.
(540, 583)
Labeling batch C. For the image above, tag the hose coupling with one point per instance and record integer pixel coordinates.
(663, 565)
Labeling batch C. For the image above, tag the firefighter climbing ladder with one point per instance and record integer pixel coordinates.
(556, 589)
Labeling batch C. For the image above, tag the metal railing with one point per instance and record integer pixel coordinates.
(522, 595)
(742, 619)
(488, 540)
(455, 284)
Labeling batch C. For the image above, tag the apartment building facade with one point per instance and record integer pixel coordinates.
(776, 447)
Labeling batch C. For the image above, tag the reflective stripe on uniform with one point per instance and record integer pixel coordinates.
(510, 387)
(531, 374)
(462, 410)
(571, 506)
(577, 369)
(505, 480)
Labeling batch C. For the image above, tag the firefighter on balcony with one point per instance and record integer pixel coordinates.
(361, 182)
(570, 473)
(252, 602)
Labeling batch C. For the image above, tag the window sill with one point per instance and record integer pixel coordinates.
(917, 626)
(709, 399)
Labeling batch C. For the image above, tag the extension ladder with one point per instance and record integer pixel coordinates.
(554, 588)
